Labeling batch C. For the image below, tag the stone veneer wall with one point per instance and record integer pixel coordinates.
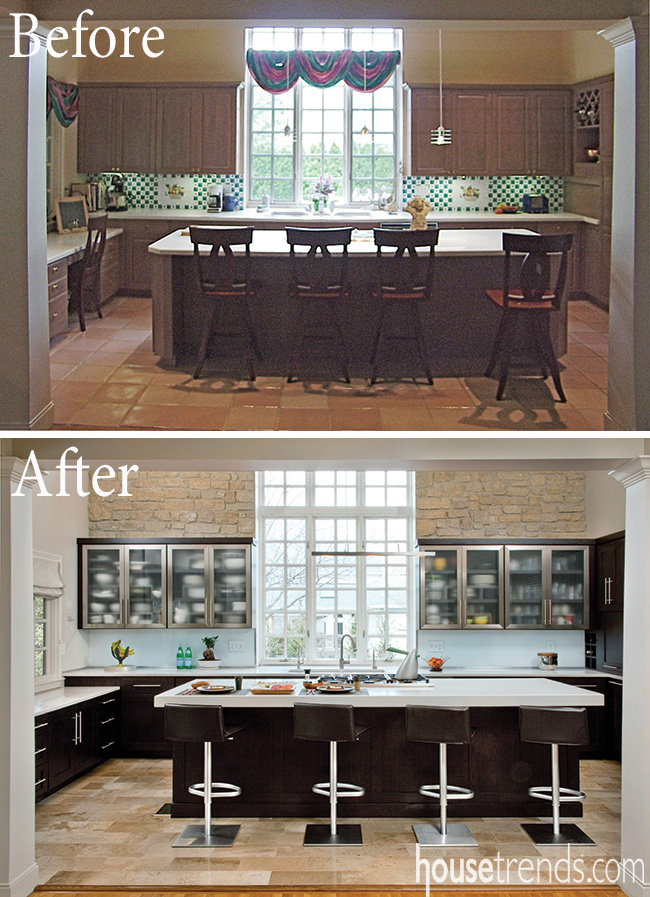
(177, 504)
(496, 504)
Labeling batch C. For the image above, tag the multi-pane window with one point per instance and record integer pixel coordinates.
(335, 559)
(307, 132)
(41, 637)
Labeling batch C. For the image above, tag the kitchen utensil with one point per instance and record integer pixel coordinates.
(238, 682)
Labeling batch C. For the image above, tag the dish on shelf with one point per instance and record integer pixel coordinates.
(193, 592)
(96, 607)
(215, 689)
(273, 688)
(335, 689)
(193, 579)
(103, 593)
(238, 606)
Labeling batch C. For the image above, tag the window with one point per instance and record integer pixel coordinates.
(319, 576)
(308, 132)
(48, 591)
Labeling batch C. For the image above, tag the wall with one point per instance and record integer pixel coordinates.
(501, 504)
(605, 504)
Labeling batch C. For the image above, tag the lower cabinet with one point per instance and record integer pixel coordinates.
(614, 718)
(137, 237)
(73, 740)
(596, 717)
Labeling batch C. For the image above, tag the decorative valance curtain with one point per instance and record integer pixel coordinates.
(277, 71)
(64, 100)
(48, 581)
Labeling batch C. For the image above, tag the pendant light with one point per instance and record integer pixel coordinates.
(441, 136)
(365, 130)
(287, 127)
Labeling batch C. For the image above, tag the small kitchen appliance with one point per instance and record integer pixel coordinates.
(215, 198)
(534, 202)
(547, 660)
(116, 198)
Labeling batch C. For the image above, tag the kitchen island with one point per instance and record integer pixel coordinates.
(276, 772)
(460, 325)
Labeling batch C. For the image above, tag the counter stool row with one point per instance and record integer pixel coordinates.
(336, 723)
(320, 285)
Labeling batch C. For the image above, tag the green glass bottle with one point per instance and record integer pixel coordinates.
(180, 658)
(189, 663)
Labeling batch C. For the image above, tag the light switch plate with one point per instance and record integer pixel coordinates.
(438, 647)
(235, 646)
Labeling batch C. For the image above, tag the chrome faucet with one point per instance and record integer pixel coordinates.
(299, 661)
(343, 662)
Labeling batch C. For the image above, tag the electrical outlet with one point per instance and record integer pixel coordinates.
(550, 646)
(437, 647)
(235, 646)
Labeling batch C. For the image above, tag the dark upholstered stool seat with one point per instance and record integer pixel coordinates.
(555, 726)
(441, 726)
(203, 724)
(333, 723)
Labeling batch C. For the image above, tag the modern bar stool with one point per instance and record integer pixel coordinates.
(555, 726)
(533, 298)
(333, 723)
(206, 724)
(85, 277)
(403, 285)
(225, 277)
(319, 283)
(441, 726)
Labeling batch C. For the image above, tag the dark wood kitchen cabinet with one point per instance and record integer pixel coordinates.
(610, 574)
(137, 237)
(472, 146)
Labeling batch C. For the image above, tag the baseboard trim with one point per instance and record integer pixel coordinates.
(22, 886)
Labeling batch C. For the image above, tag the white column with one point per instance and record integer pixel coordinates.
(629, 305)
(25, 401)
(635, 817)
(18, 869)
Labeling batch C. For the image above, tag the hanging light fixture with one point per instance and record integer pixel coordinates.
(441, 136)
(365, 130)
(287, 127)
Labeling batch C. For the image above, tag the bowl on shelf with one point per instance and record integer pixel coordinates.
(209, 664)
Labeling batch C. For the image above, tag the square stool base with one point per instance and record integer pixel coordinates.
(428, 835)
(542, 833)
(321, 836)
(194, 836)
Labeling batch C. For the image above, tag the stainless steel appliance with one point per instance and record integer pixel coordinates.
(116, 197)
(215, 198)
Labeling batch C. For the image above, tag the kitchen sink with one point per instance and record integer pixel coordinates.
(353, 213)
(288, 213)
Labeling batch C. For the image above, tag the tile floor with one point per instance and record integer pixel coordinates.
(108, 378)
(103, 830)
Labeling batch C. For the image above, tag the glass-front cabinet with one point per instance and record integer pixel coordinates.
(526, 600)
(461, 587)
(440, 589)
(180, 585)
(547, 587)
(483, 569)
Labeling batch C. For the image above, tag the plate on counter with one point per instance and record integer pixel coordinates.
(335, 689)
(215, 689)
(273, 688)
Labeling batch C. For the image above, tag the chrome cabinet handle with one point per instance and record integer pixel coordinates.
(41, 725)
(110, 720)
(106, 746)
(40, 782)
(615, 682)
(40, 751)
(156, 685)
(110, 701)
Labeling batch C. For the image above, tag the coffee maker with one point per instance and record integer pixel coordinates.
(116, 198)
(215, 197)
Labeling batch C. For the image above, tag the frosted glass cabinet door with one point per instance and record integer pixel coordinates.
(483, 589)
(231, 587)
(145, 585)
(569, 587)
(439, 592)
(525, 598)
(103, 604)
(188, 586)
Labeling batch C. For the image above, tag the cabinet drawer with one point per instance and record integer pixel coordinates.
(58, 314)
(56, 271)
(146, 688)
(58, 288)
(107, 708)
(41, 734)
(41, 783)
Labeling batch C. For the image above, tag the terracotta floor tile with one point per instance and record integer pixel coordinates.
(175, 417)
(449, 398)
(303, 419)
(59, 370)
(406, 419)
(75, 392)
(89, 372)
(254, 396)
(252, 417)
(119, 392)
(594, 399)
(155, 394)
(107, 415)
(305, 401)
(355, 419)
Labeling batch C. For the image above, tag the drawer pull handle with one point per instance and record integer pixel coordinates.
(156, 685)
(615, 682)
(112, 718)
(110, 701)
(105, 747)
(41, 725)
(40, 782)
(40, 751)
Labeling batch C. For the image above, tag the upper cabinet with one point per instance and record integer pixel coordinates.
(610, 569)
(495, 131)
(155, 128)
(181, 584)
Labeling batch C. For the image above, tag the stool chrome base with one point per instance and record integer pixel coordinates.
(428, 835)
(542, 833)
(195, 836)
(321, 836)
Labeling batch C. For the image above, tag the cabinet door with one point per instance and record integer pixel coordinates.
(86, 754)
(63, 736)
(188, 590)
(103, 605)
(472, 132)
(525, 592)
(215, 118)
(549, 132)
(231, 605)
(483, 588)
(610, 569)
(138, 237)
(569, 587)
(145, 567)
(143, 725)
(427, 158)
(439, 589)
(509, 133)
(614, 713)
(136, 133)
(176, 132)
(97, 148)
(612, 642)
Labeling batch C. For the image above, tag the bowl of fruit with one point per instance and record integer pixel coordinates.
(436, 663)
(505, 208)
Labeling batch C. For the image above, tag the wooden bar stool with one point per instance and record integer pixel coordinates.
(318, 283)
(85, 277)
(533, 298)
(225, 278)
(203, 724)
(403, 285)
(333, 723)
(441, 726)
(555, 726)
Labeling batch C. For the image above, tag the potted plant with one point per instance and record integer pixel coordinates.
(209, 661)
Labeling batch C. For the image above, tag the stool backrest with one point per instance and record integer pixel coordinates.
(93, 254)
(535, 282)
(438, 725)
(319, 270)
(222, 272)
(185, 723)
(324, 722)
(401, 271)
(554, 725)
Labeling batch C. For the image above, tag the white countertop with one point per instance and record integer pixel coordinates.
(441, 693)
(47, 701)
(480, 242)
(360, 218)
(60, 246)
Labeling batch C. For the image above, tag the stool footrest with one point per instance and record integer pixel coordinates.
(324, 788)
(226, 790)
(545, 792)
(454, 792)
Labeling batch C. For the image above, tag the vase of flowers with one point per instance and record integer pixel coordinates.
(322, 189)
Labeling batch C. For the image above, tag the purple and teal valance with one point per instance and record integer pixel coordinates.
(277, 71)
(64, 100)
